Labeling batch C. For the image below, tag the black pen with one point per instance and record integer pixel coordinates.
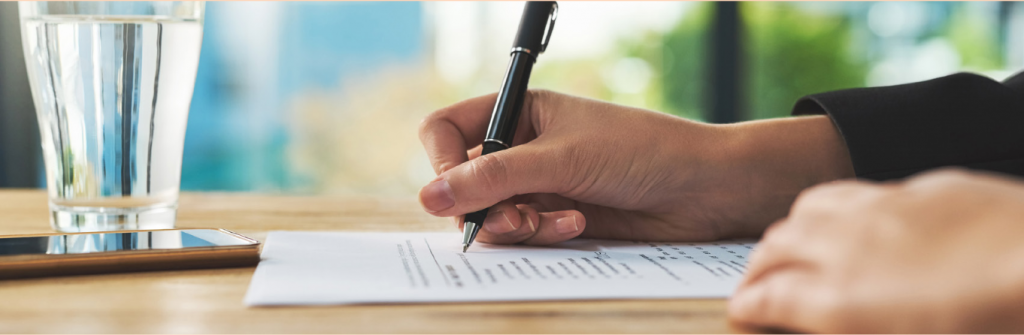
(534, 32)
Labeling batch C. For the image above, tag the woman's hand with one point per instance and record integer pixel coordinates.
(942, 252)
(581, 167)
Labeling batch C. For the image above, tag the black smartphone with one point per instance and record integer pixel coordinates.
(124, 251)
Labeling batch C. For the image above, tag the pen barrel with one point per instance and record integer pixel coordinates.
(479, 216)
(510, 99)
(533, 26)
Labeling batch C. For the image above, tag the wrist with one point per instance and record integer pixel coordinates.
(798, 151)
(779, 158)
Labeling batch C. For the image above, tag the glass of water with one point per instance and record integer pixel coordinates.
(112, 83)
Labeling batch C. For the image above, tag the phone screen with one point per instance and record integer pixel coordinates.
(114, 241)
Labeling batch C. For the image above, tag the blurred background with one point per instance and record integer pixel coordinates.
(325, 97)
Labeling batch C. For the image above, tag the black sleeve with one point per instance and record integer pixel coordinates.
(959, 120)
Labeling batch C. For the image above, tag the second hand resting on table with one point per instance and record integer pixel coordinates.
(939, 253)
(944, 249)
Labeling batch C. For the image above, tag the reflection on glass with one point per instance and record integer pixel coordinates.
(106, 242)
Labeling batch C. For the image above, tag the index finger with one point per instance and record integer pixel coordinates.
(447, 133)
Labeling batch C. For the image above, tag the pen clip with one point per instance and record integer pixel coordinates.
(549, 27)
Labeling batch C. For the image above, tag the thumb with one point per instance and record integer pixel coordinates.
(486, 180)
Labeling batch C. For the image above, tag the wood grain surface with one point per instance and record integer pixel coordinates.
(210, 301)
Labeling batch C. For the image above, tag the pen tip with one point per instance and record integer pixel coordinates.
(465, 247)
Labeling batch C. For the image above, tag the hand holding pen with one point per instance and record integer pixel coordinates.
(582, 167)
(534, 33)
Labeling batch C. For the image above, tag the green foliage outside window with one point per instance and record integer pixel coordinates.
(791, 53)
(788, 54)
(683, 74)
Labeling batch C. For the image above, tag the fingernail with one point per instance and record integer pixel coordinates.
(498, 223)
(566, 225)
(437, 196)
(529, 222)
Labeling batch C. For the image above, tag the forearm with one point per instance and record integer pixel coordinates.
(774, 160)
(803, 151)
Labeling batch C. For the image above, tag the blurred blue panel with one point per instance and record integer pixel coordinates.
(320, 43)
(323, 41)
(206, 146)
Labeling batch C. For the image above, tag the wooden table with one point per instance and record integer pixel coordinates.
(210, 301)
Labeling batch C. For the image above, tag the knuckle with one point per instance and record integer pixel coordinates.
(946, 174)
(778, 241)
(838, 200)
(491, 170)
(938, 181)
(809, 197)
(772, 233)
(804, 199)
(951, 171)
(538, 94)
(427, 125)
(838, 190)
(535, 100)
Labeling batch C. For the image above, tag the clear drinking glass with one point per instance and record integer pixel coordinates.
(112, 83)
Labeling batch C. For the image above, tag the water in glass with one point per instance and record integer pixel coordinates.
(112, 96)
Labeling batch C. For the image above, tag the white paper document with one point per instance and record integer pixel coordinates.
(302, 268)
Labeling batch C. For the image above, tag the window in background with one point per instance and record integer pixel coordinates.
(794, 49)
(325, 97)
(274, 106)
(798, 49)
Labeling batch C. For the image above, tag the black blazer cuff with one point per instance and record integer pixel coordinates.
(958, 120)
